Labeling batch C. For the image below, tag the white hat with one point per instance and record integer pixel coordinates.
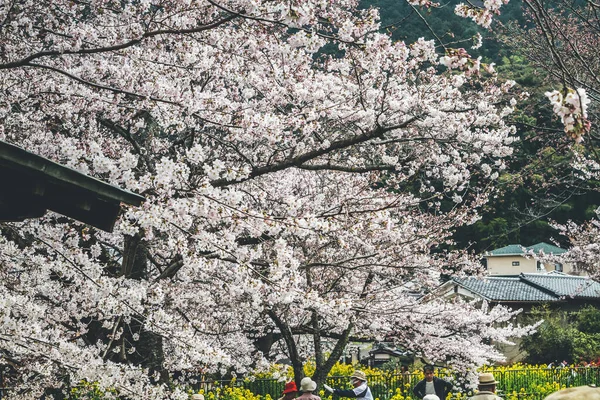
(431, 397)
(576, 393)
(359, 375)
(486, 378)
(197, 396)
(307, 385)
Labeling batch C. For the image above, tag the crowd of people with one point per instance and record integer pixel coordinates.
(430, 388)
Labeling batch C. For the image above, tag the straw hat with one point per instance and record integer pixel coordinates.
(307, 385)
(197, 396)
(359, 375)
(487, 378)
(576, 393)
(290, 387)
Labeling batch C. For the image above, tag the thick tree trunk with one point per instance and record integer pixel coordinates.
(149, 348)
(297, 362)
(323, 368)
(321, 372)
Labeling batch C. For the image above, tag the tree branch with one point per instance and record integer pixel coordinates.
(26, 61)
(301, 159)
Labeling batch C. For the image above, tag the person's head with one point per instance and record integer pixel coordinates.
(576, 393)
(428, 370)
(404, 368)
(487, 383)
(290, 390)
(307, 385)
(357, 378)
(197, 396)
(431, 397)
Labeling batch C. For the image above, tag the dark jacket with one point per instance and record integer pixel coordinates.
(442, 388)
(361, 392)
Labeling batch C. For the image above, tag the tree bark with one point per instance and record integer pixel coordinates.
(291, 345)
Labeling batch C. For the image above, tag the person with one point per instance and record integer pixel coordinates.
(487, 388)
(360, 390)
(431, 397)
(307, 387)
(289, 391)
(405, 374)
(432, 385)
(590, 392)
(197, 396)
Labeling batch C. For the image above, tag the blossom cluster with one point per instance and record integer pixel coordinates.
(571, 106)
(283, 185)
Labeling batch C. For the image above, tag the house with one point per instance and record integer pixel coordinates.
(32, 184)
(515, 259)
(525, 291)
(383, 353)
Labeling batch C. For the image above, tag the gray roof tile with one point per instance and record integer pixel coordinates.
(505, 289)
(565, 285)
(549, 287)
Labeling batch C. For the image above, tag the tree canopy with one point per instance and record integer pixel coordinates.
(297, 198)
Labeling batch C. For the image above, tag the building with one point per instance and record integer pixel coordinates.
(526, 290)
(557, 290)
(32, 184)
(383, 353)
(515, 259)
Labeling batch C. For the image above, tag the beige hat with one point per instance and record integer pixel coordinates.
(197, 396)
(487, 378)
(307, 385)
(576, 393)
(359, 375)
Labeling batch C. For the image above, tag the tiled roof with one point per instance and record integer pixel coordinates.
(505, 289)
(507, 250)
(514, 249)
(548, 287)
(546, 248)
(565, 285)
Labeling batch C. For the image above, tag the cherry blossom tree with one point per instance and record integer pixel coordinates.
(297, 196)
(561, 39)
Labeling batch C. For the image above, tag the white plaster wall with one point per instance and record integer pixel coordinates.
(502, 265)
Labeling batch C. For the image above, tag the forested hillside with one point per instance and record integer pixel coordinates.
(539, 184)
(406, 22)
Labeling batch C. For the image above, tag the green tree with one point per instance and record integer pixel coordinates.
(588, 320)
(564, 336)
(553, 340)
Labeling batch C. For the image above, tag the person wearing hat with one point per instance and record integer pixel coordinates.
(360, 389)
(432, 385)
(307, 387)
(197, 396)
(289, 391)
(589, 392)
(487, 388)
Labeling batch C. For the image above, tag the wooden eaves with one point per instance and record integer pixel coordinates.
(30, 185)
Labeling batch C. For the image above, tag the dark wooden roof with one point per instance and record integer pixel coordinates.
(30, 185)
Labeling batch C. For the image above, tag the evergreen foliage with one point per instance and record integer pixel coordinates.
(562, 336)
(539, 185)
